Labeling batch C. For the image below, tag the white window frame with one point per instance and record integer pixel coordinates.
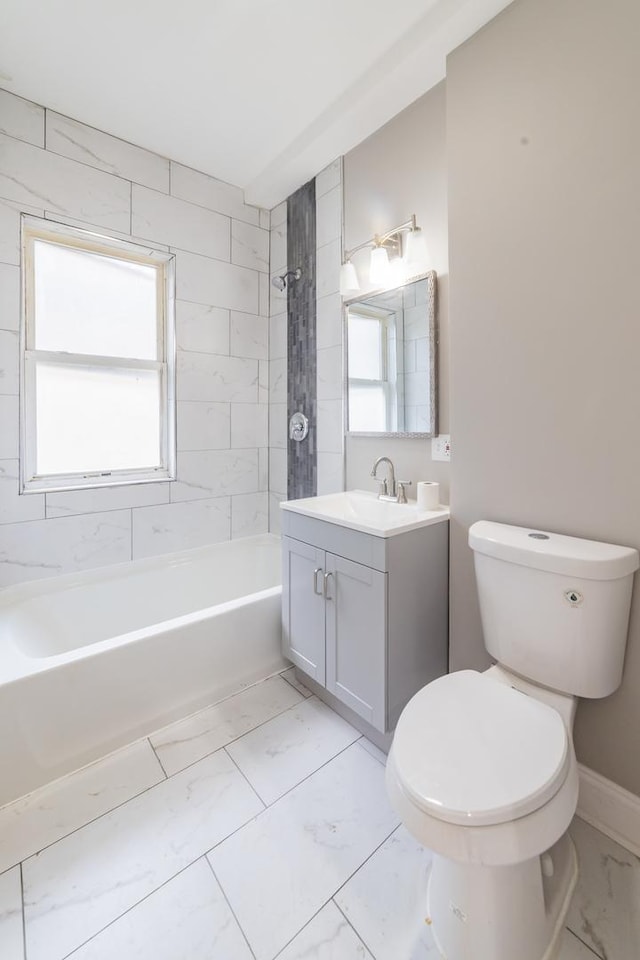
(34, 228)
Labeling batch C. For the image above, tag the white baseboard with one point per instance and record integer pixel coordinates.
(610, 809)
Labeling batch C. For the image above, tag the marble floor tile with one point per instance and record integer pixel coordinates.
(290, 676)
(605, 912)
(44, 816)
(327, 937)
(186, 741)
(11, 943)
(385, 901)
(283, 752)
(84, 882)
(302, 849)
(186, 919)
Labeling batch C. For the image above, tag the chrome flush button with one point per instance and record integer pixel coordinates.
(573, 597)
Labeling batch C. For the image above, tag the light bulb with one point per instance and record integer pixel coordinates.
(348, 279)
(379, 267)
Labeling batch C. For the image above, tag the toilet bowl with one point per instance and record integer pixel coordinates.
(482, 768)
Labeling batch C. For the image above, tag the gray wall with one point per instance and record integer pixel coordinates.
(400, 170)
(544, 186)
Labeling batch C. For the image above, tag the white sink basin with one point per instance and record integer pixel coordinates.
(361, 510)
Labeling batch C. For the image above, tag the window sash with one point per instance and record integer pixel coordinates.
(164, 263)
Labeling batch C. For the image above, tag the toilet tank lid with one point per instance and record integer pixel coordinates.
(553, 552)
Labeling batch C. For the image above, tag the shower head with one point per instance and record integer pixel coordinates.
(281, 281)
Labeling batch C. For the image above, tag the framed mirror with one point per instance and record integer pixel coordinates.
(390, 365)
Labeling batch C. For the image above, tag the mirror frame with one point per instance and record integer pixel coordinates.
(432, 335)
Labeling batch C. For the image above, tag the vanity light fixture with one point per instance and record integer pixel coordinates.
(385, 247)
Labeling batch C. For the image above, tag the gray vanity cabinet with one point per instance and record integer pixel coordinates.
(365, 617)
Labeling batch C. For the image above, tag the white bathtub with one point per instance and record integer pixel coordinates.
(91, 661)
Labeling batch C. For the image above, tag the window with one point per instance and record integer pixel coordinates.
(368, 348)
(98, 397)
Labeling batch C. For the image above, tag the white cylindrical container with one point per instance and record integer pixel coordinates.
(428, 495)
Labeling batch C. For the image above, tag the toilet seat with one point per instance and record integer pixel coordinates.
(475, 752)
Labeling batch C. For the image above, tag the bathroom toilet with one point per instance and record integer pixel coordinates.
(482, 769)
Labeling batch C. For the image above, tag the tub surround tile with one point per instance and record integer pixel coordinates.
(329, 178)
(385, 901)
(264, 295)
(21, 119)
(184, 225)
(329, 326)
(327, 937)
(330, 373)
(45, 548)
(328, 259)
(9, 428)
(275, 519)
(330, 429)
(249, 246)
(263, 381)
(286, 750)
(330, 472)
(264, 219)
(249, 425)
(329, 216)
(75, 888)
(249, 514)
(42, 179)
(278, 471)
(573, 948)
(249, 336)
(180, 526)
(105, 498)
(204, 280)
(278, 425)
(9, 297)
(13, 507)
(290, 676)
(333, 821)
(9, 363)
(186, 918)
(279, 247)
(203, 376)
(211, 193)
(47, 815)
(11, 939)
(201, 328)
(189, 740)
(278, 381)
(204, 426)
(204, 474)
(75, 140)
(279, 214)
(263, 468)
(278, 337)
(605, 910)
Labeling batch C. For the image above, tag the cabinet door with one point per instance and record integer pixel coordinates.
(303, 607)
(356, 612)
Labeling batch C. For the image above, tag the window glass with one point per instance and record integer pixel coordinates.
(88, 303)
(93, 419)
(365, 348)
(367, 408)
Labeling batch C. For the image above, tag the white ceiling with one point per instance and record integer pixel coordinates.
(260, 93)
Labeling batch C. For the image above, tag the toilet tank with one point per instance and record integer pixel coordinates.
(554, 609)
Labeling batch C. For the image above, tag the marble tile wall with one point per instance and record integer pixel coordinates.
(329, 329)
(53, 167)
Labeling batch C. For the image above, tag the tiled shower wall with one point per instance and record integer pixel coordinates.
(54, 167)
(329, 427)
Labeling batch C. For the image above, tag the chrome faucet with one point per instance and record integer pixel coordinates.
(389, 489)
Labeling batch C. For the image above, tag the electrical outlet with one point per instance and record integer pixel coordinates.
(441, 447)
